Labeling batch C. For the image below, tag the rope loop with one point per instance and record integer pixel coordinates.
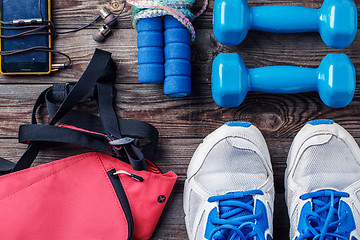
(179, 9)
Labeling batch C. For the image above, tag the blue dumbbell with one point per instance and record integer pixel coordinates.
(150, 43)
(335, 80)
(177, 58)
(336, 21)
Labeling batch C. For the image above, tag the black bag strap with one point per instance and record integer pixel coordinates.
(104, 133)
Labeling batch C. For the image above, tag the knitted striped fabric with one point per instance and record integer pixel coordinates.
(179, 9)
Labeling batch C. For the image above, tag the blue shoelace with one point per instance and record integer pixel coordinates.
(236, 220)
(322, 223)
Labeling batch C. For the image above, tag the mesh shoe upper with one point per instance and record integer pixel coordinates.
(329, 163)
(231, 162)
(322, 179)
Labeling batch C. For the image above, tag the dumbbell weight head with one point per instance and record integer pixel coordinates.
(336, 80)
(231, 21)
(230, 80)
(338, 24)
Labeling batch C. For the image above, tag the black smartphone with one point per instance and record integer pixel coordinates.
(31, 62)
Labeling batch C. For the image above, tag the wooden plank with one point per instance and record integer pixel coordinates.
(277, 116)
(174, 154)
(76, 13)
(258, 50)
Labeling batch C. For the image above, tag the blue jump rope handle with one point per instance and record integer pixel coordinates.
(150, 43)
(177, 58)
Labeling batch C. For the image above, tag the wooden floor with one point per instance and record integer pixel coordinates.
(184, 122)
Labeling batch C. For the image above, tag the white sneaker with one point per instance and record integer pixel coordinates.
(322, 183)
(229, 190)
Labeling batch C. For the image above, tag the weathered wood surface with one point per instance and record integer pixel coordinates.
(258, 50)
(278, 116)
(183, 123)
(83, 11)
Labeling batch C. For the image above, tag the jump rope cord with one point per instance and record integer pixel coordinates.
(179, 9)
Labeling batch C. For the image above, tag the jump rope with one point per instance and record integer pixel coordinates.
(142, 9)
(165, 33)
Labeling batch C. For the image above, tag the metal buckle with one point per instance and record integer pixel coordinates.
(121, 141)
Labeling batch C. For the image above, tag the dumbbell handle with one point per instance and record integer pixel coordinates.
(283, 79)
(285, 19)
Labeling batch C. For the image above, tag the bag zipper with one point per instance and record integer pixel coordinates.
(120, 193)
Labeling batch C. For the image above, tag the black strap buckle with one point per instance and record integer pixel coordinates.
(121, 141)
(122, 147)
(129, 148)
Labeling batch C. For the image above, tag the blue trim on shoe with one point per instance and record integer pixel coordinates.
(237, 216)
(320, 122)
(238, 124)
(325, 216)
